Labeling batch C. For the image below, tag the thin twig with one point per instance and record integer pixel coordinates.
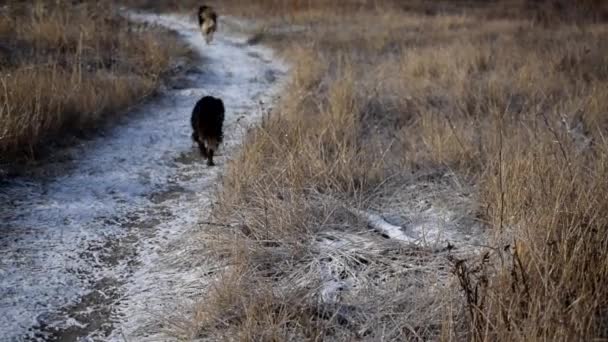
(559, 143)
(209, 223)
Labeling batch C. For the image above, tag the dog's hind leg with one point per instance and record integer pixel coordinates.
(212, 146)
(210, 158)
(203, 149)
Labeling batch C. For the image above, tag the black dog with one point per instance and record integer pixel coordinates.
(207, 121)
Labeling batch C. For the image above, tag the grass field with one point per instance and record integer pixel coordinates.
(497, 115)
(66, 68)
(469, 113)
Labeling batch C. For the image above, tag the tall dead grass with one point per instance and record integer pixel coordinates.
(526, 119)
(67, 67)
(392, 108)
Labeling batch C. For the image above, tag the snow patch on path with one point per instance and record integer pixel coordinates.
(101, 252)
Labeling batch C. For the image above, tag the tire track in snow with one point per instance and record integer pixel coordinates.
(100, 250)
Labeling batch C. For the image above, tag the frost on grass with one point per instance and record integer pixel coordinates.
(381, 270)
(398, 266)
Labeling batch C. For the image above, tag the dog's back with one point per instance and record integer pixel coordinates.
(207, 124)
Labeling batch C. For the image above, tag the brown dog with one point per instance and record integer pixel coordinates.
(207, 21)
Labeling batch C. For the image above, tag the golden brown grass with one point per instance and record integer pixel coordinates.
(499, 119)
(67, 67)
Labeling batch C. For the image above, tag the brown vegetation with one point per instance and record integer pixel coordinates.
(394, 105)
(67, 67)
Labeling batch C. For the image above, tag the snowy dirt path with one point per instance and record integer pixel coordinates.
(99, 249)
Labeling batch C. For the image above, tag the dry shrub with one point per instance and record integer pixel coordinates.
(551, 200)
(68, 67)
(521, 113)
(318, 151)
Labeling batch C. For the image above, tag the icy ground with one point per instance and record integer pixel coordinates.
(93, 250)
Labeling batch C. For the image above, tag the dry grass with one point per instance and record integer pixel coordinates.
(493, 120)
(66, 68)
